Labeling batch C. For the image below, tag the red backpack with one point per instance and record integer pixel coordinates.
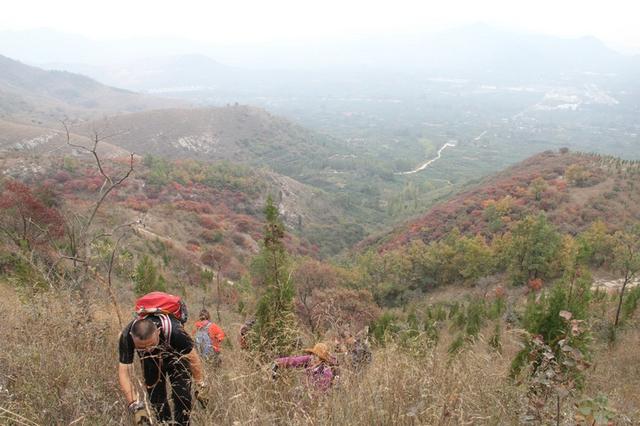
(157, 302)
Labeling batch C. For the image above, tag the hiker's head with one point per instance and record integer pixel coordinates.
(204, 315)
(145, 334)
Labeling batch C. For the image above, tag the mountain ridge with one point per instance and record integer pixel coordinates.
(35, 96)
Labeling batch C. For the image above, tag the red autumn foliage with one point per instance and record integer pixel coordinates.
(26, 219)
(193, 248)
(214, 257)
(194, 206)
(535, 284)
(244, 223)
(467, 211)
(208, 222)
(137, 204)
(322, 301)
(62, 176)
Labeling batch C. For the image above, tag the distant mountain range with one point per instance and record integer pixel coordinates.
(478, 52)
(32, 101)
(35, 96)
(160, 73)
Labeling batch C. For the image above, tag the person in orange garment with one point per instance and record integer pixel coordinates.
(208, 336)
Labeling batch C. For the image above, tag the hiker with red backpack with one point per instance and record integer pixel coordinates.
(208, 336)
(166, 352)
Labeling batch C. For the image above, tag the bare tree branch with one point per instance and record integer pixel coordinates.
(101, 200)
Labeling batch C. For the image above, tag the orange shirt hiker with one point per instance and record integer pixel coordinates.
(215, 333)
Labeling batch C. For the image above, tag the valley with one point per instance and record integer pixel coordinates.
(455, 215)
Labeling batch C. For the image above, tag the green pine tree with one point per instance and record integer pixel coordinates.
(275, 331)
(147, 278)
(534, 246)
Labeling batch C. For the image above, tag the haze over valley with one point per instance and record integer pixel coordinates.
(445, 199)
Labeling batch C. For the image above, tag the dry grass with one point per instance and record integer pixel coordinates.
(58, 368)
(616, 374)
(397, 388)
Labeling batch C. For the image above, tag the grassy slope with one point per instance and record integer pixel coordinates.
(58, 384)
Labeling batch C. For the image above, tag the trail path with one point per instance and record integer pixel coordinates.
(153, 235)
(613, 286)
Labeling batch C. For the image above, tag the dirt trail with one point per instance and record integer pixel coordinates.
(612, 286)
(151, 234)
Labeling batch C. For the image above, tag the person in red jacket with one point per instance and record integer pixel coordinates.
(208, 336)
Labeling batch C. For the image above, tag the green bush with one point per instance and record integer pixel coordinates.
(630, 304)
(383, 327)
(147, 279)
(544, 318)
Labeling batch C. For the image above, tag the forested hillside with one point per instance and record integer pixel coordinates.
(572, 189)
(507, 320)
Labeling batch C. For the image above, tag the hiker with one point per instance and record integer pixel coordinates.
(208, 336)
(166, 351)
(355, 349)
(318, 364)
(244, 331)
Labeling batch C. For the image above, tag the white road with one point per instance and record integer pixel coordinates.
(425, 165)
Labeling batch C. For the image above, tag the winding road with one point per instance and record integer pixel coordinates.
(425, 165)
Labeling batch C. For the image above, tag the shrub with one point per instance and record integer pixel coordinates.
(146, 278)
(383, 327)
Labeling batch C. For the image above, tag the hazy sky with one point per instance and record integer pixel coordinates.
(248, 21)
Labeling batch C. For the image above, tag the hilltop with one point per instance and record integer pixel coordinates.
(572, 189)
(238, 133)
(319, 178)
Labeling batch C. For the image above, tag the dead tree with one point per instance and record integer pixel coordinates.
(80, 228)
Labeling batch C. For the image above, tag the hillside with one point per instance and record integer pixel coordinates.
(35, 96)
(458, 308)
(219, 203)
(236, 133)
(255, 138)
(322, 182)
(572, 189)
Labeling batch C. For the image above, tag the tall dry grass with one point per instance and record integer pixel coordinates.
(397, 388)
(58, 367)
(616, 374)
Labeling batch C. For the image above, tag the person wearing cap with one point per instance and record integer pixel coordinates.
(318, 365)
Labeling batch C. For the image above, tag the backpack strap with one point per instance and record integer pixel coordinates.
(166, 327)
